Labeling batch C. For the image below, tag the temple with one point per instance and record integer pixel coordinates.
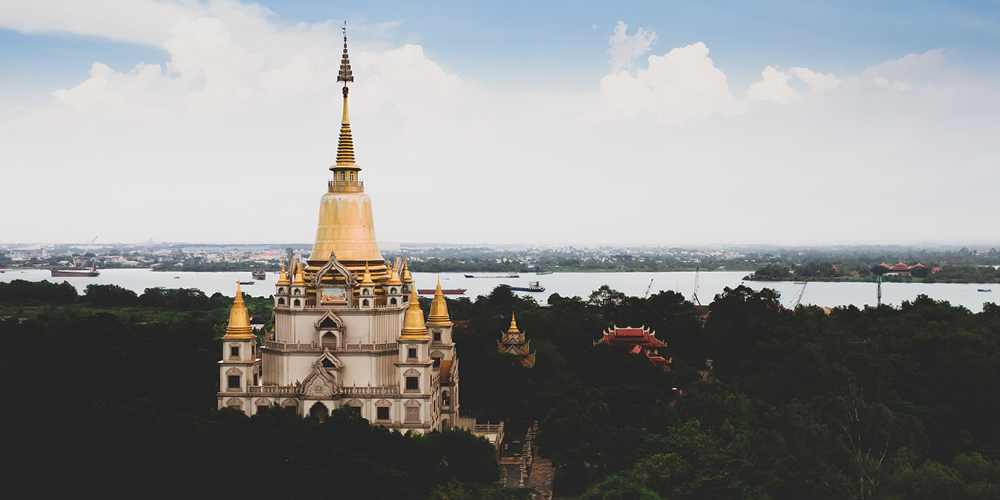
(348, 329)
(642, 340)
(513, 343)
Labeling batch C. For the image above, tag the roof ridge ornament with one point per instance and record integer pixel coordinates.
(345, 145)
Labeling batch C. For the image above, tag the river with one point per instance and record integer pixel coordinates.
(565, 284)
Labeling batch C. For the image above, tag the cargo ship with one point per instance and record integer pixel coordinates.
(532, 287)
(446, 291)
(259, 275)
(76, 272)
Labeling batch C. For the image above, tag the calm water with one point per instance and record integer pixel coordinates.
(565, 284)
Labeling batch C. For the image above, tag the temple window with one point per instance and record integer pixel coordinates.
(319, 411)
(352, 176)
(261, 408)
(413, 414)
(411, 353)
(392, 290)
(356, 410)
(382, 413)
(364, 292)
(329, 340)
(365, 303)
(234, 382)
(327, 363)
(392, 301)
(254, 379)
(437, 335)
(437, 362)
(281, 290)
(341, 175)
(412, 384)
(298, 292)
(234, 351)
(297, 303)
(445, 398)
(281, 302)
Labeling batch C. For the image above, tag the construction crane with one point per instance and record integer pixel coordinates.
(694, 295)
(801, 293)
(648, 288)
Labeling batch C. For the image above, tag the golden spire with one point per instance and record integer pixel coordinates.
(439, 309)
(345, 146)
(513, 324)
(413, 322)
(239, 319)
(406, 273)
(283, 279)
(367, 280)
(299, 277)
(393, 277)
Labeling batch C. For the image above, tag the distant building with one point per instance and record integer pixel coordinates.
(642, 340)
(899, 269)
(513, 343)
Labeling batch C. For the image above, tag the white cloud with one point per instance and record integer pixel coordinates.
(682, 85)
(817, 82)
(624, 47)
(773, 87)
(899, 73)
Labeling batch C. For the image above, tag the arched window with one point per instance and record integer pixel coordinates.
(281, 302)
(298, 292)
(281, 290)
(352, 176)
(392, 301)
(341, 175)
(297, 302)
(445, 398)
(364, 292)
(392, 290)
(319, 411)
(329, 340)
(365, 303)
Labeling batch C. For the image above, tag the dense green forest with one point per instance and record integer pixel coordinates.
(116, 392)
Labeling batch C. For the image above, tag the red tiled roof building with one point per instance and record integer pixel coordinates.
(642, 340)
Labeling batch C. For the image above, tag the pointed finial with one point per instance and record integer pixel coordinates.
(283, 278)
(367, 280)
(299, 276)
(439, 309)
(239, 318)
(413, 321)
(345, 74)
(513, 324)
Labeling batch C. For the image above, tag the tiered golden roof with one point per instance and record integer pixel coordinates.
(513, 324)
(283, 279)
(239, 319)
(413, 322)
(300, 279)
(439, 309)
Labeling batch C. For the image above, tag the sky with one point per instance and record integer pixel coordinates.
(620, 123)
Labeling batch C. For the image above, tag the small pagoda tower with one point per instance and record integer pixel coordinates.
(239, 368)
(514, 343)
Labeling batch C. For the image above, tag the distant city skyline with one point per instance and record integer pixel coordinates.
(667, 124)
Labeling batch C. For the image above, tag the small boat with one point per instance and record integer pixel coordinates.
(245, 283)
(532, 287)
(77, 272)
(984, 290)
(446, 291)
(543, 272)
(259, 275)
(508, 275)
(177, 277)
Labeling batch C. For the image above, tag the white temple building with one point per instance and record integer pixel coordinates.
(348, 329)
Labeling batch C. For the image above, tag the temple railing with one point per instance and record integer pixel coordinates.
(370, 391)
(287, 346)
(275, 390)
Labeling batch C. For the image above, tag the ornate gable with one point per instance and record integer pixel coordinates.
(333, 263)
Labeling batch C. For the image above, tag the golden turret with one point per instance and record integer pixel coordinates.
(346, 227)
(513, 324)
(439, 309)
(406, 273)
(283, 279)
(367, 279)
(413, 322)
(300, 279)
(393, 277)
(239, 319)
